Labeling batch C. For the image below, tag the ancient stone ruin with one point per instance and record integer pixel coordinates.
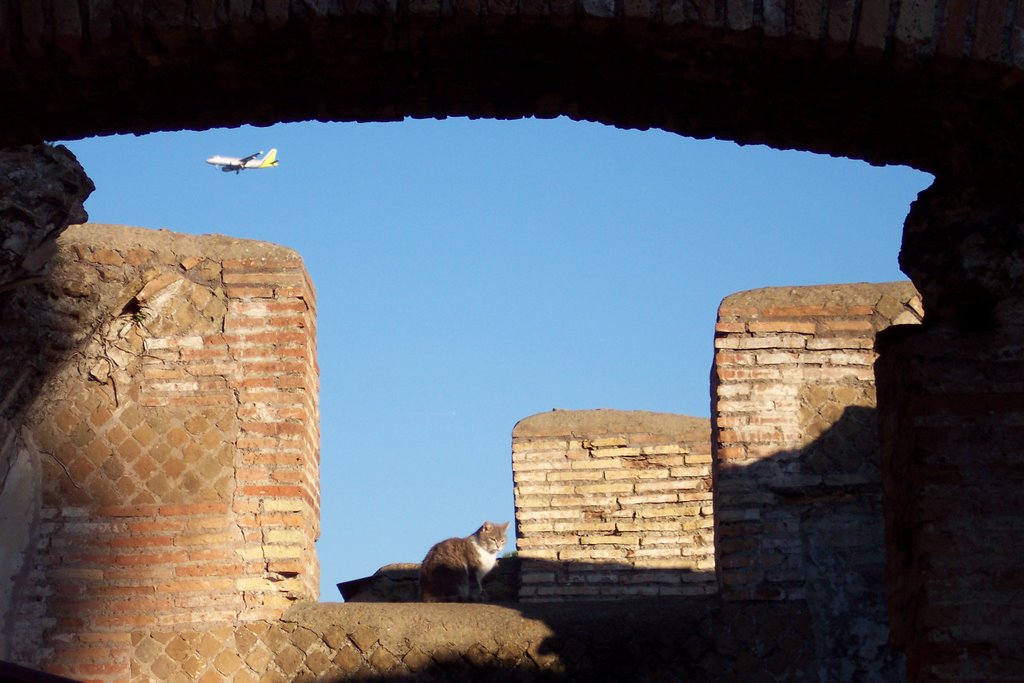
(173, 450)
(164, 475)
(938, 85)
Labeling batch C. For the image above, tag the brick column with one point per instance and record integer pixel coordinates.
(798, 507)
(794, 430)
(951, 396)
(269, 330)
(179, 447)
(952, 434)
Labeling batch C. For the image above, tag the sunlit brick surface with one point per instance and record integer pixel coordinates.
(613, 505)
(179, 449)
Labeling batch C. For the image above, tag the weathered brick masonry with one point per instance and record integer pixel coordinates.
(179, 445)
(641, 640)
(794, 403)
(831, 77)
(798, 493)
(613, 504)
(175, 439)
(954, 538)
(937, 84)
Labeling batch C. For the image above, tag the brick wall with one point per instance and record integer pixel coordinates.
(909, 28)
(794, 74)
(178, 443)
(798, 495)
(613, 504)
(793, 398)
(951, 435)
(174, 453)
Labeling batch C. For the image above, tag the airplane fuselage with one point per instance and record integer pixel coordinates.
(218, 160)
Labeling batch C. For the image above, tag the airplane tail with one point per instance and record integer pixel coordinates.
(269, 160)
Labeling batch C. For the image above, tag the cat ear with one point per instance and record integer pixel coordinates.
(486, 526)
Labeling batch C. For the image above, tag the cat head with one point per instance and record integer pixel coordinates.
(491, 536)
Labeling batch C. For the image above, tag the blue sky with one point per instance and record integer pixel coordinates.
(473, 273)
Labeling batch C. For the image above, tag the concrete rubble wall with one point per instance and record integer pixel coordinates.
(951, 397)
(177, 440)
(640, 640)
(42, 191)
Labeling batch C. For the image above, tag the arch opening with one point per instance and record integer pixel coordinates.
(486, 229)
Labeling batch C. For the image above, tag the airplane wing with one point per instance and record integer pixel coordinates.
(249, 158)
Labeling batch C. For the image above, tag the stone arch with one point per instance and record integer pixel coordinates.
(856, 78)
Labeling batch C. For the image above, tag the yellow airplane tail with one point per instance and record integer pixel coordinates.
(270, 159)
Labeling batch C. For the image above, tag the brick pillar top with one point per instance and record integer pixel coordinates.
(604, 421)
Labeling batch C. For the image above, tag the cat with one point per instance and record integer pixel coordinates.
(453, 569)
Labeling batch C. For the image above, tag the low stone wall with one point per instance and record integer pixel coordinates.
(401, 583)
(613, 504)
(698, 639)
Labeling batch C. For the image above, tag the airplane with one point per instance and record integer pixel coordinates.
(240, 164)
